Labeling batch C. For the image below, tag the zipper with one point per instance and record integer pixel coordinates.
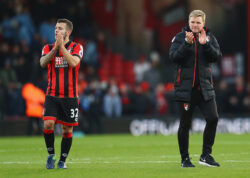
(179, 76)
(195, 60)
(211, 80)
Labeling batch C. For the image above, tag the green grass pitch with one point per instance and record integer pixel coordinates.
(124, 156)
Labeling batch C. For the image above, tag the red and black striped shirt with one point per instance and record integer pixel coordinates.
(62, 78)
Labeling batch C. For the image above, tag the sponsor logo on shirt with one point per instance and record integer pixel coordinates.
(60, 62)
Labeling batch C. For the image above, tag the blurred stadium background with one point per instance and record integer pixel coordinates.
(126, 77)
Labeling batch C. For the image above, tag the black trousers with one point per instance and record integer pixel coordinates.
(209, 111)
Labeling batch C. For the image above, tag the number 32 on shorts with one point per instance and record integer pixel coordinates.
(74, 114)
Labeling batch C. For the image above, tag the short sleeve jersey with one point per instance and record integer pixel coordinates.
(62, 78)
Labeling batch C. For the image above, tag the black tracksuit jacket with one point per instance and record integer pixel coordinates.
(193, 65)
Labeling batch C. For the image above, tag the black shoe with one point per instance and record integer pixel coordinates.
(208, 160)
(186, 163)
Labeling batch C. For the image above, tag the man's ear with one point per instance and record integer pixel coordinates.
(69, 32)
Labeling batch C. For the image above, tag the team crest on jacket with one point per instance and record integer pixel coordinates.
(186, 106)
(208, 38)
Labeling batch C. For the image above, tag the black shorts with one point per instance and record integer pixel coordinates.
(62, 110)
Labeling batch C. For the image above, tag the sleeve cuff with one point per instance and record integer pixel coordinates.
(76, 55)
(188, 44)
(206, 44)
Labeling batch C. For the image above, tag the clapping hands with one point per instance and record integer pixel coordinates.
(189, 37)
(202, 37)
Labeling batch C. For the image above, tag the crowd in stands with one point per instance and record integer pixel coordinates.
(109, 83)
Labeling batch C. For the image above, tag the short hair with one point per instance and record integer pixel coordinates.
(69, 24)
(198, 13)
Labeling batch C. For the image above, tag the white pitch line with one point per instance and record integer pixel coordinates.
(120, 158)
(237, 161)
(21, 150)
(116, 162)
(95, 162)
(20, 162)
(157, 157)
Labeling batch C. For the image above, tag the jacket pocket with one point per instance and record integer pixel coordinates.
(179, 76)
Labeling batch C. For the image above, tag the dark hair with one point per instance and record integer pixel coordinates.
(69, 24)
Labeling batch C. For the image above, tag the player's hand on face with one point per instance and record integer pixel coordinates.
(59, 40)
(189, 37)
(202, 37)
(57, 43)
